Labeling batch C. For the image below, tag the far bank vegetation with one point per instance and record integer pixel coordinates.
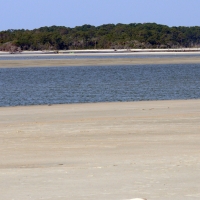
(108, 36)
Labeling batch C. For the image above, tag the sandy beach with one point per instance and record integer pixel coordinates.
(178, 58)
(96, 62)
(112, 151)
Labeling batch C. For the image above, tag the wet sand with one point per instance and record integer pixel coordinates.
(96, 62)
(112, 151)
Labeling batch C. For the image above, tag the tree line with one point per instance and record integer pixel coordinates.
(107, 36)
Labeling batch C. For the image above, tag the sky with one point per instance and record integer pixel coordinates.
(31, 14)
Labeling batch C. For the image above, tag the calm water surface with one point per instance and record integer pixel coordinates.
(94, 56)
(58, 85)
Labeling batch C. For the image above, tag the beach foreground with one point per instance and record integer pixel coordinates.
(112, 151)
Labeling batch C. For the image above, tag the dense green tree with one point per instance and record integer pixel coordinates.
(134, 35)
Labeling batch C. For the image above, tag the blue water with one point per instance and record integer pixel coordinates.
(94, 56)
(59, 85)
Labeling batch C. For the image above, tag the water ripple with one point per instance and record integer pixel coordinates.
(58, 85)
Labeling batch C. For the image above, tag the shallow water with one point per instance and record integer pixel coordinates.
(59, 85)
(94, 56)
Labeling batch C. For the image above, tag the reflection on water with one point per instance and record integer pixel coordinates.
(58, 85)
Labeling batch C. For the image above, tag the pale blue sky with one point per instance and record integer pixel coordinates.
(30, 14)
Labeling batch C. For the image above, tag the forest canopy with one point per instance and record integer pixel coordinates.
(107, 36)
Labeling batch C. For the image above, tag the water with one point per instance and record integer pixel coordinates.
(59, 85)
(95, 56)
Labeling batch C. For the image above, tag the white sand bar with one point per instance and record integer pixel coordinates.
(111, 151)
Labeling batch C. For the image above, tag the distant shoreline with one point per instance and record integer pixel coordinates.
(59, 61)
(96, 62)
(94, 52)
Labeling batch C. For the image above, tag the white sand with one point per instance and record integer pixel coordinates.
(113, 151)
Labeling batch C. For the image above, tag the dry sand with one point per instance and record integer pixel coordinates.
(111, 151)
(96, 62)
